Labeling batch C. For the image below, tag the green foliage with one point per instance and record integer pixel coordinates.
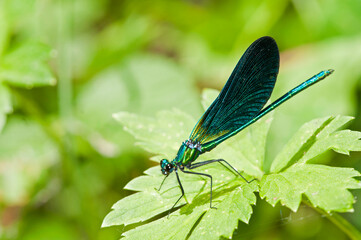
(291, 176)
(325, 187)
(64, 159)
(23, 159)
(26, 66)
(316, 137)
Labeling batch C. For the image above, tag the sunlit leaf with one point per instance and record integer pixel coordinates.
(176, 227)
(26, 66)
(325, 187)
(316, 137)
(162, 135)
(235, 206)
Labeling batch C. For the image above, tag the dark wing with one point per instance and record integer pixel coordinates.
(246, 92)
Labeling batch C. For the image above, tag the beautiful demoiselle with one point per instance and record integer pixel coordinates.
(237, 106)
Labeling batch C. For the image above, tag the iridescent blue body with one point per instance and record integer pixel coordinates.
(239, 104)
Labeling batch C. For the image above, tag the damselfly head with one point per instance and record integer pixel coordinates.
(166, 166)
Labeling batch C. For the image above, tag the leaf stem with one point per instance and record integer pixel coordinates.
(339, 221)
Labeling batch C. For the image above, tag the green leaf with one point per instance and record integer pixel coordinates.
(137, 208)
(235, 200)
(149, 202)
(26, 66)
(177, 226)
(316, 137)
(325, 187)
(162, 135)
(222, 222)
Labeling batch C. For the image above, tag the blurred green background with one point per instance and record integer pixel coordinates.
(66, 66)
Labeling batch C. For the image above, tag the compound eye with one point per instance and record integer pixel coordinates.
(164, 172)
(164, 162)
(169, 167)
